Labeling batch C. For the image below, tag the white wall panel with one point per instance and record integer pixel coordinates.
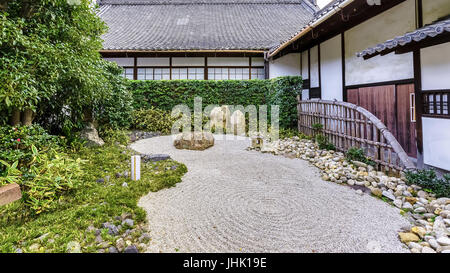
(434, 9)
(305, 63)
(228, 61)
(122, 61)
(331, 69)
(435, 62)
(257, 61)
(314, 55)
(188, 61)
(387, 25)
(287, 65)
(436, 142)
(153, 61)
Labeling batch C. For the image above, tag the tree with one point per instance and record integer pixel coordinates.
(51, 68)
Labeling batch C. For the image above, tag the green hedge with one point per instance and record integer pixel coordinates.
(167, 94)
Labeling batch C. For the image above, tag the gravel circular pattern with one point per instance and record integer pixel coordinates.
(233, 200)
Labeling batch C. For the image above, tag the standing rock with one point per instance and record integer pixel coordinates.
(90, 134)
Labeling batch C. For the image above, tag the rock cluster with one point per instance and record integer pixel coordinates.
(139, 135)
(429, 216)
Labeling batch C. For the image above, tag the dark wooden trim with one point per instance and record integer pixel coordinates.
(375, 84)
(319, 67)
(344, 89)
(309, 64)
(419, 107)
(170, 67)
(266, 69)
(419, 13)
(250, 68)
(435, 116)
(206, 68)
(113, 54)
(135, 69)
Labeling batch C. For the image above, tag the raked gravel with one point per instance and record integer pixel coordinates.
(234, 200)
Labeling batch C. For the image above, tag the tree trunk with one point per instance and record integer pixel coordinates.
(15, 117)
(27, 117)
(87, 115)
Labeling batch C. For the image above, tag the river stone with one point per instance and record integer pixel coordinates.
(155, 157)
(131, 249)
(427, 249)
(407, 237)
(443, 241)
(389, 195)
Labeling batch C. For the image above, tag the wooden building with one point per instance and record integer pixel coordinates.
(392, 59)
(200, 39)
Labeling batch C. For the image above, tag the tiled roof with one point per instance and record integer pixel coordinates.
(317, 15)
(201, 25)
(418, 35)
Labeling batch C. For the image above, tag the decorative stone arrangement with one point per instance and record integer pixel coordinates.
(430, 217)
(194, 141)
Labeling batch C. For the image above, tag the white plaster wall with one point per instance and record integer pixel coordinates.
(435, 62)
(331, 69)
(305, 94)
(288, 65)
(188, 61)
(387, 25)
(434, 9)
(305, 67)
(228, 61)
(257, 61)
(314, 55)
(153, 61)
(122, 61)
(436, 142)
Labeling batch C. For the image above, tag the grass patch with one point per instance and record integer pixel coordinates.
(89, 205)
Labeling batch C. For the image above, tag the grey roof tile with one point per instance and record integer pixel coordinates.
(196, 25)
(418, 35)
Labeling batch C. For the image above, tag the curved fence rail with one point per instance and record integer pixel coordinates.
(347, 125)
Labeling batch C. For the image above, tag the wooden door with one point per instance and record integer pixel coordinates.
(406, 119)
(392, 105)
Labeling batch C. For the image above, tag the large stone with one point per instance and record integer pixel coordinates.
(194, 141)
(419, 231)
(237, 123)
(90, 134)
(443, 241)
(407, 237)
(9, 194)
(219, 117)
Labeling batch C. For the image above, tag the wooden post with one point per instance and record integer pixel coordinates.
(135, 167)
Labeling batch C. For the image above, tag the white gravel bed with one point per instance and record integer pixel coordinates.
(233, 200)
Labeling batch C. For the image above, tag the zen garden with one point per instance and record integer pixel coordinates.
(102, 157)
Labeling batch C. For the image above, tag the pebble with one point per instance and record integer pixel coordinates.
(128, 222)
(426, 249)
(443, 241)
(112, 249)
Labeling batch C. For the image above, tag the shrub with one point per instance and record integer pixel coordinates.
(429, 181)
(153, 120)
(49, 176)
(115, 110)
(323, 143)
(111, 136)
(357, 154)
(283, 92)
(167, 94)
(16, 143)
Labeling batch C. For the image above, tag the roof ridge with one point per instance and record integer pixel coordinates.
(198, 2)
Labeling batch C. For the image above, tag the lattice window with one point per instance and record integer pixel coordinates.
(435, 103)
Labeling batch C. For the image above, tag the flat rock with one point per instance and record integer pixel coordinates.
(155, 157)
